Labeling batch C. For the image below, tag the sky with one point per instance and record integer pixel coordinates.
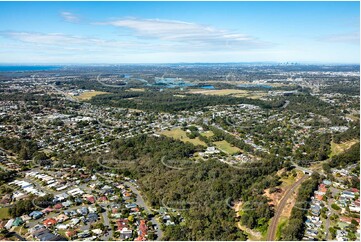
(172, 32)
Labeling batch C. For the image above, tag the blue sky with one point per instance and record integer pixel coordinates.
(168, 32)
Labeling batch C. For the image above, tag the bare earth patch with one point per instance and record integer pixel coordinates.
(340, 148)
(89, 95)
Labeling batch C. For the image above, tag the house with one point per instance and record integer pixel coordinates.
(58, 206)
(9, 224)
(70, 233)
(354, 208)
(126, 233)
(49, 222)
(348, 194)
(47, 210)
(60, 197)
(211, 150)
(311, 232)
(36, 214)
(92, 209)
(315, 210)
(355, 190)
(131, 205)
(61, 218)
(122, 223)
(75, 221)
(319, 197)
(142, 229)
(103, 199)
(36, 228)
(83, 211)
(46, 235)
(91, 199)
(92, 217)
(18, 221)
(327, 182)
(75, 192)
(78, 201)
(62, 226)
(322, 188)
(66, 204)
(84, 234)
(349, 220)
(25, 217)
(341, 235)
(97, 231)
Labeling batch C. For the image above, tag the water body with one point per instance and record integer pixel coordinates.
(255, 86)
(171, 82)
(27, 68)
(208, 87)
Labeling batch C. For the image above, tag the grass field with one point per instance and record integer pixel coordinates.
(4, 213)
(182, 135)
(207, 133)
(137, 89)
(226, 147)
(89, 95)
(231, 92)
(339, 148)
(222, 92)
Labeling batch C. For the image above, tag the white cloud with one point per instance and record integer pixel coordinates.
(191, 33)
(70, 17)
(59, 39)
(348, 38)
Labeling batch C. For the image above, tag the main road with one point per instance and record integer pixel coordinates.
(274, 222)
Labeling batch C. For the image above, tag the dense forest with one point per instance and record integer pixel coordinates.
(201, 190)
(349, 87)
(305, 104)
(349, 157)
(23, 147)
(352, 133)
(317, 147)
(168, 102)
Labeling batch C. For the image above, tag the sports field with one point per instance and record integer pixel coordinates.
(182, 135)
(226, 147)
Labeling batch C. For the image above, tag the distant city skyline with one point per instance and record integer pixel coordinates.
(174, 32)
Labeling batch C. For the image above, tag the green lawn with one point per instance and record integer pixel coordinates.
(4, 213)
(226, 147)
(182, 135)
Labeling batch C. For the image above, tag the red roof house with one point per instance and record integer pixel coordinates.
(122, 223)
(49, 222)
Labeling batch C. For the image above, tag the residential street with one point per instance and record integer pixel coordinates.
(140, 202)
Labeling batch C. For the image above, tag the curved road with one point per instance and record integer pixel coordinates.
(274, 222)
(141, 203)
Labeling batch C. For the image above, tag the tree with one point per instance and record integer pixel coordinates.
(131, 218)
